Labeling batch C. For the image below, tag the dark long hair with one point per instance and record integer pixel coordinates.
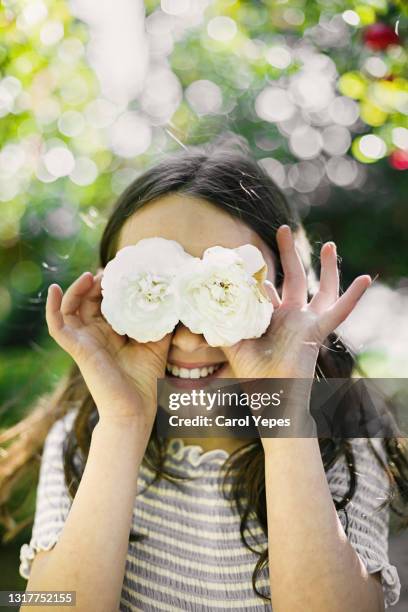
(225, 174)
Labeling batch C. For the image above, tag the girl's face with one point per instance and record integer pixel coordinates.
(196, 225)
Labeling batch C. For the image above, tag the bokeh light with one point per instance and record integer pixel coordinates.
(71, 123)
(204, 97)
(59, 161)
(312, 90)
(305, 176)
(275, 169)
(342, 171)
(222, 29)
(351, 17)
(305, 142)
(274, 104)
(161, 95)
(336, 140)
(400, 137)
(175, 7)
(352, 84)
(101, 112)
(85, 172)
(369, 148)
(376, 67)
(343, 111)
(31, 15)
(61, 222)
(373, 312)
(279, 56)
(130, 135)
(51, 32)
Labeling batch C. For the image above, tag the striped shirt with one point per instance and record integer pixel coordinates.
(190, 555)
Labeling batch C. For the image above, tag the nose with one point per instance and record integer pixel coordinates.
(187, 342)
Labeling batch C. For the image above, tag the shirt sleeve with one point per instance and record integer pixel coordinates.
(53, 501)
(365, 523)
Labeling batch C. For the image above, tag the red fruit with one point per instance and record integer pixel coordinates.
(399, 159)
(379, 36)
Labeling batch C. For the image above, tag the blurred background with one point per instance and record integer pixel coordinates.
(91, 95)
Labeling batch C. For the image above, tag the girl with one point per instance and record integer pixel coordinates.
(131, 521)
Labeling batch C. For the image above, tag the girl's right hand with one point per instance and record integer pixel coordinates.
(121, 374)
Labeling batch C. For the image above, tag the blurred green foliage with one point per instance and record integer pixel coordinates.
(337, 147)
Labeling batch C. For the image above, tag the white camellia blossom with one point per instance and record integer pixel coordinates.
(223, 297)
(139, 295)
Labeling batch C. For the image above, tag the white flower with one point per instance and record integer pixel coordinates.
(140, 298)
(222, 295)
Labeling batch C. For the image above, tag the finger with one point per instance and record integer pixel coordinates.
(53, 316)
(328, 291)
(341, 309)
(55, 321)
(90, 306)
(294, 289)
(75, 293)
(272, 294)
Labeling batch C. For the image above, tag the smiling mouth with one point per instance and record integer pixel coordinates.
(194, 373)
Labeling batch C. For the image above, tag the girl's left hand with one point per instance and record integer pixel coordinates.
(290, 346)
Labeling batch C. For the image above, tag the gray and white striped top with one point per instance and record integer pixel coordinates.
(191, 556)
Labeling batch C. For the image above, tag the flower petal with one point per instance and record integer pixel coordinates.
(253, 259)
(221, 300)
(138, 289)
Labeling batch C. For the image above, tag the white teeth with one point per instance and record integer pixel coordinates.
(193, 372)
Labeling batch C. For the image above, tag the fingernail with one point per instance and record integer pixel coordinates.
(366, 278)
(332, 245)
